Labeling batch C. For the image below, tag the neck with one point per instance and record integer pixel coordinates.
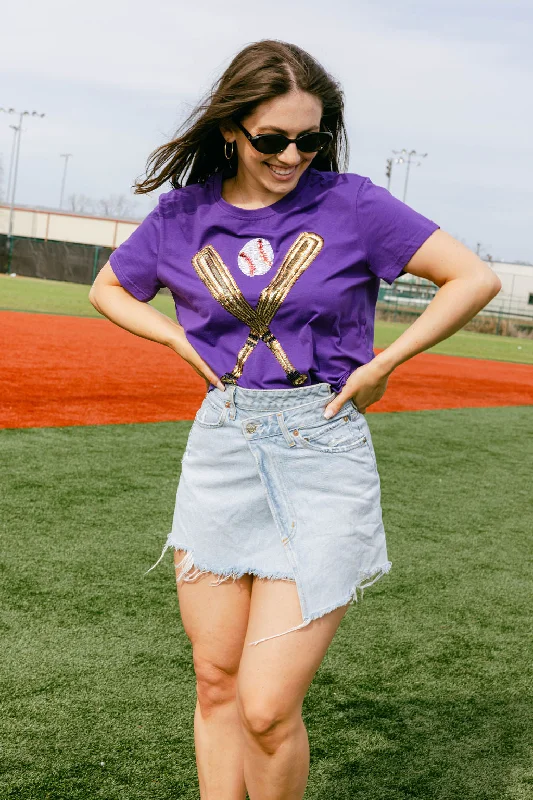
(234, 190)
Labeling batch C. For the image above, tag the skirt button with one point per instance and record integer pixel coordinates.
(227, 404)
(251, 427)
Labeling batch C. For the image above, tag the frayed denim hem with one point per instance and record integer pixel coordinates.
(351, 599)
(188, 562)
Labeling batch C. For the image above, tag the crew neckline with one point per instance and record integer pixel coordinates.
(283, 204)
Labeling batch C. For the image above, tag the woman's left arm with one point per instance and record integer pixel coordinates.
(466, 284)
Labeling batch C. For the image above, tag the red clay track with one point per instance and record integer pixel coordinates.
(59, 370)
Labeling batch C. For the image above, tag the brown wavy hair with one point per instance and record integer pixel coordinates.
(263, 70)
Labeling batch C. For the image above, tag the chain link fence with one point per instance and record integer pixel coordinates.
(402, 302)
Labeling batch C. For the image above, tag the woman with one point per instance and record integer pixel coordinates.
(274, 257)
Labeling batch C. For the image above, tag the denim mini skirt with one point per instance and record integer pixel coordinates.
(269, 486)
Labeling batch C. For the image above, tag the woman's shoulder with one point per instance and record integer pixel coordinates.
(340, 181)
(185, 199)
(340, 188)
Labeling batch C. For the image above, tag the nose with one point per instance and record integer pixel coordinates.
(290, 156)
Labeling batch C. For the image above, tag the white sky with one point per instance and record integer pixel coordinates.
(115, 79)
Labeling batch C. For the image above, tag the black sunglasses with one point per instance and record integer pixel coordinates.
(271, 143)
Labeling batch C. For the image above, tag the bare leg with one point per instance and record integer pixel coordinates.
(215, 620)
(273, 679)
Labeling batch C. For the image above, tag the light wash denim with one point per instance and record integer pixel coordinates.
(270, 487)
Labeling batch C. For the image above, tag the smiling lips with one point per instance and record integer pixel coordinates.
(280, 171)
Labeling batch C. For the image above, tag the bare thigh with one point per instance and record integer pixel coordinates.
(274, 675)
(221, 620)
(215, 618)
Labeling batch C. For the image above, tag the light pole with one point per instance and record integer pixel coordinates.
(13, 147)
(66, 156)
(15, 173)
(400, 160)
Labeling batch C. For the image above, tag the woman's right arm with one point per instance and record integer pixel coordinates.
(111, 300)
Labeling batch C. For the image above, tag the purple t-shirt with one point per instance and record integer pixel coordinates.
(275, 297)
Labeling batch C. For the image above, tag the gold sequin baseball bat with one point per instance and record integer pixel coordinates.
(217, 278)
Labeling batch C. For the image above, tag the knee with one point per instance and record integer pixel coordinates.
(215, 685)
(268, 722)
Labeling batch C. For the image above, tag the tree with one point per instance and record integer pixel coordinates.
(80, 204)
(117, 206)
(114, 206)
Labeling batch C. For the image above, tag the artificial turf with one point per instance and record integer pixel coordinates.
(424, 693)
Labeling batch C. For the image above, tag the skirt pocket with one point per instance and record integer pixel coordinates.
(209, 415)
(337, 435)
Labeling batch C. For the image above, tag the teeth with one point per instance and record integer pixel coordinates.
(280, 171)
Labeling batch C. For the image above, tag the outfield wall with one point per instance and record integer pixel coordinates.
(57, 261)
(63, 226)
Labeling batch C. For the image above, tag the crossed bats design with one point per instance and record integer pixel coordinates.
(212, 271)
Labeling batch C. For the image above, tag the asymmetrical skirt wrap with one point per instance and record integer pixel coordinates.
(270, 487)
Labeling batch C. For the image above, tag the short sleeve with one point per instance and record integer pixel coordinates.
(134, 262)
(391, 230)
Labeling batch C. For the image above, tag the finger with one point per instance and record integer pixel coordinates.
(214, 379)
(210, 378)
(203, 369)
(336, 404)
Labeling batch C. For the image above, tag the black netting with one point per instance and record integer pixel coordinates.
(59, 261)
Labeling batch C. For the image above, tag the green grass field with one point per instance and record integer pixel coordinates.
(55, 297)
(425, 692)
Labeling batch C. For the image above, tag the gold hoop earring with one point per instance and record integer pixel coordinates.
(226, 152)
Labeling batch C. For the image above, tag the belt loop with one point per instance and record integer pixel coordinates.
(285, 431)
(230, 387)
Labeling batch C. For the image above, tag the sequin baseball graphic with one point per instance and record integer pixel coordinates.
(256, 257)
(216, 276)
